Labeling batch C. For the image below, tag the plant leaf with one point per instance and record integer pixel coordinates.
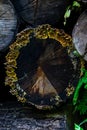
(85, 86)
(75, 3)
(77, 127)
(67, 14)
(83, 122)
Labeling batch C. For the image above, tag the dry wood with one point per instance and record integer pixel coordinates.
(8, 23)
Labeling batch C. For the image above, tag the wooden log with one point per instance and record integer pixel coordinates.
(44, 75)
(37, 12)
(79, 35)
(40, 71)
(84, 1)
(8, 23)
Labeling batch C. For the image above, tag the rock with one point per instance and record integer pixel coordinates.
(79, 35)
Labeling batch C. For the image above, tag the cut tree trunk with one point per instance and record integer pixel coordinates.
(45, 73)
(8, 23)
(37, 12)
(79, 35)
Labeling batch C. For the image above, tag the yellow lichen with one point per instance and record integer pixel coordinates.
(21, 99)
(45, 31)
(69, 90)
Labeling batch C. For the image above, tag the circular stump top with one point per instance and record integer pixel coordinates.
(42, 73)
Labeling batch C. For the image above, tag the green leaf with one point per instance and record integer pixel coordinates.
(85, 86)
(76, 53)
(76, 94)
(75, 3)
(81, 105)
(83, 122)
(77, 127)
(67, 14)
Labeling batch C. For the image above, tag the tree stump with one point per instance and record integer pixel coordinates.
(41, 73)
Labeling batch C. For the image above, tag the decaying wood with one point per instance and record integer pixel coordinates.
(42, 84)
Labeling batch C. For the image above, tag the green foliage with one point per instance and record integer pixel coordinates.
(84, 121)
(82, 103)
(80, 100)
(75, 52)
(75, 3)
(78, 127)
(69, 9)
(82, 82)
(67, 14)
